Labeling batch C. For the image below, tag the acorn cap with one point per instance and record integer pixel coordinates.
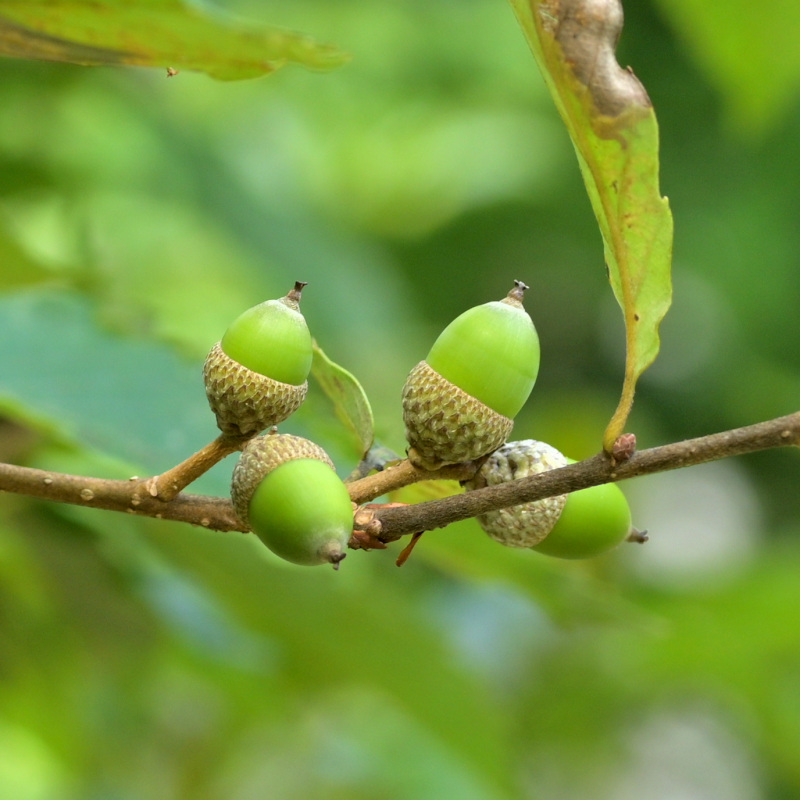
(244, 401)
(527, 524)
(445, 424)
(260, 456)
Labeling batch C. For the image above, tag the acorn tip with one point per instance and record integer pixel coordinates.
(295, 293)
(517, 294)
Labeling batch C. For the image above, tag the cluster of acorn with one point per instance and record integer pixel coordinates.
(458, 406)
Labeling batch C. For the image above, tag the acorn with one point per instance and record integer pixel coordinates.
(594, 521)
(582, 524)
(256, 376)
(286, 490)
(459, 404)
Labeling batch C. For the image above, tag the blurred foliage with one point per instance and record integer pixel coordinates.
(140, 214)
(349, 401)
(152, 33)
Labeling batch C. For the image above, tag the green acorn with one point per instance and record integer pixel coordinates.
(459, 404)
(594, 521)
(286, 490)
(257, 375)
(582, 524)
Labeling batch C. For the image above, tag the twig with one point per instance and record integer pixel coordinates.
(130, 496)
(171, 483)
(404, 474)
(778, 432)
(217, 513)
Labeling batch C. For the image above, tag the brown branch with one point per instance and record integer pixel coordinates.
(780, 432)
(168, 485)
(404, 474)
(133, 496)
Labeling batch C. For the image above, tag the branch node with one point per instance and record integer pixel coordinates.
(624, 447)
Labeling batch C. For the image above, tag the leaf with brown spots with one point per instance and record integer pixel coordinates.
(154, 33)
(613, 127)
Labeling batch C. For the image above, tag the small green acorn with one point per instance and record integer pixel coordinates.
(257, 375)
(459, 404)
(285, 488)
(594, 521)
(582, 524)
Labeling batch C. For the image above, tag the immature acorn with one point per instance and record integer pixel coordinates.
(582, 524)
(257, 375)
(285, 488)
(459, 404)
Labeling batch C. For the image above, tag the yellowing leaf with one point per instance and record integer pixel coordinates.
(613, 128)
(422, 491)
(154, 33)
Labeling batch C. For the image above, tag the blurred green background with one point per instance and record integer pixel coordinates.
(139, 215)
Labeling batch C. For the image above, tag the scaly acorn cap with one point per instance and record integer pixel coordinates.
(257, 375)
(527, 524)
(286, 490)
(260, 456)
(459, 404)
(444, 424)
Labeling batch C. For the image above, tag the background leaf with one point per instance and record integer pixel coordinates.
(613, 127)
(754, 99)
(348, 397)
(153, 33)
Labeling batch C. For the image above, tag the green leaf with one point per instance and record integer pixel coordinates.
(154, 33)
(613, 127)
(18, 269)
(64, 374)
(348, 397)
